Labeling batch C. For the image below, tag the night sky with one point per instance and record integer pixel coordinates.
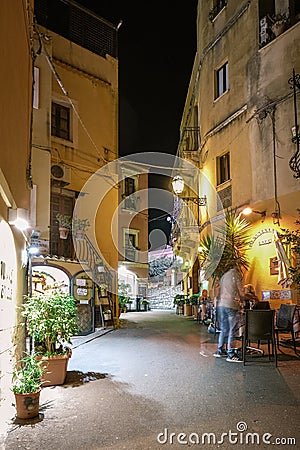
(157, 46)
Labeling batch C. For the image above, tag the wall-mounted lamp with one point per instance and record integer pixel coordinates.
(178, 186)
(18, 217)
(248, 210)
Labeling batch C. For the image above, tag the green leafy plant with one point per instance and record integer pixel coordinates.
(51, 321)
(279, 18)
(27, 378)
(123, 294)
(80, 224)
(179, 299)
(227, 249)
(64, 221)
(291, 239)
(193, 299)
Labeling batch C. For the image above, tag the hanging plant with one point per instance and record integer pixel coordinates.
(64, 225)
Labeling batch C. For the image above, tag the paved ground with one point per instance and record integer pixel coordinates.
(133, 387)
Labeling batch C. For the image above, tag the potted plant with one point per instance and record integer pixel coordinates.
(51, 322)
(179, 300)
(79, 227)
(26, 385)
(279, 23)
(123, 296)
(102, 289)
(291, 240)
(187, 307)
(64, 225)
(194, 300)
(107, 314)
(145, 304)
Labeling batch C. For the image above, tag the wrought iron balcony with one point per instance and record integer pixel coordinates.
(130, 203)
(190, 139)
(130, 254)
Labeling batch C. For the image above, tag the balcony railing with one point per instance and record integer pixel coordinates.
(130, 254)
(220, 4)
(130, 203)
(190, 139)
(78, 24)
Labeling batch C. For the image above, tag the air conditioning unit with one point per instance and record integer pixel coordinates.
(61, 172)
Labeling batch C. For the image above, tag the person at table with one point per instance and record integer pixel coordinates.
(228, 313)
(249, 299)
(203, 300)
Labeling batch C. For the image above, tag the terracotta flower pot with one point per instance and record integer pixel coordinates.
(63, 232)
(278, 28)
(27, 405)
(187, 310)
(55, 369)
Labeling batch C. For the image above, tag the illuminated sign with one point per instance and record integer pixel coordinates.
(260, 233)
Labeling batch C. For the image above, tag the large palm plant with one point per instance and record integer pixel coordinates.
(226, 248)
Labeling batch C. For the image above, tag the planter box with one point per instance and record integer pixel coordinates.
(187, 310)
(55, 369)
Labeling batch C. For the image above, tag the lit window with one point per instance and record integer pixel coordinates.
(60, 121)
(223, 169)
(222, 80)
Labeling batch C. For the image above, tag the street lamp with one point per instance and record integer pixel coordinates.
(246, 211)
(178, 186)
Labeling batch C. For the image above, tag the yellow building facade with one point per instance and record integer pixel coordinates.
(75, 134)
(15, 107)
(238, 122)
(133, 232)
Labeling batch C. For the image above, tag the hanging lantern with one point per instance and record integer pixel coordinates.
(178, 184)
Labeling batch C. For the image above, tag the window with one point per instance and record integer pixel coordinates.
(60, 121)
(60, 204)
(129, 186)
(222, 80)
(130, 200)
(130, 244)
(223, 169)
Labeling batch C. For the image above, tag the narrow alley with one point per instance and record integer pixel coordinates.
(156, 375)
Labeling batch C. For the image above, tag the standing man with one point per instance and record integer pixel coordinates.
(228, 309)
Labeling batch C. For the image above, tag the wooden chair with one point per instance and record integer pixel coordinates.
(259, 326)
